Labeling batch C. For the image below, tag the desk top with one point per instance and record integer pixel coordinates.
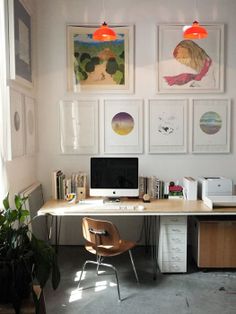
(131, 207)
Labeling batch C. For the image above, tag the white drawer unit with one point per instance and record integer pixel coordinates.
(172, 250)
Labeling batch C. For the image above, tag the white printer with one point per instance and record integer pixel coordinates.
(213, 186)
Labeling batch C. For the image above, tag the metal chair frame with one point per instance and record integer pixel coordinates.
(99, 259)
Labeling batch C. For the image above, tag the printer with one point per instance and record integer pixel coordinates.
(213, 186)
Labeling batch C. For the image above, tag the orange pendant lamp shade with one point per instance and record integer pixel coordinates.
(195, 32)
(104, 33)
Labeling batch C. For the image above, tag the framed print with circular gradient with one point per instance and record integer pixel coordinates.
(211, 126)
(123, 126)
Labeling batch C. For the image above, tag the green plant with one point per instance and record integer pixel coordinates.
(24, 259)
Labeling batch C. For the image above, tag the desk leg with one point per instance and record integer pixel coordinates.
(151, 231)
(57, 232)
(57, 227)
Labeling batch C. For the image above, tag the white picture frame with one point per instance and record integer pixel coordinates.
(123, 126)
(17, 124)
(167, 126)
(211, 120)
(30, 126)
(20, 43)
(79, 126)
(89, 74)
(189, 66)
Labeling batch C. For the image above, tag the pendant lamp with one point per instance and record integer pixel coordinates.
(195, 32)
(104, 33)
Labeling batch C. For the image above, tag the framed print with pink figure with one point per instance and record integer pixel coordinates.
(189, 66)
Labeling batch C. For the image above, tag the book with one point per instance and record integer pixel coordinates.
(190, 188)
(55, 175)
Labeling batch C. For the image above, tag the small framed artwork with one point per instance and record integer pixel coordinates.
(189, 66)
(17, 124)
(123, 126)
(95, 66)
(79, 126)
(211, 126)
(20, 43)
(30, 125)
(167, 126)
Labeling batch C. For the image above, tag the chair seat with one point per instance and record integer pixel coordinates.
(109, 250)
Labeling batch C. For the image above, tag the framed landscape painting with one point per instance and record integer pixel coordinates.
(189, 66)
(95, 66)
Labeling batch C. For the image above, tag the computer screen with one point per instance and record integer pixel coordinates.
(114, 176)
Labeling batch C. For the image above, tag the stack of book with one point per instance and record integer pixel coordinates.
(175, 191)
(62, 185)
(152, 186)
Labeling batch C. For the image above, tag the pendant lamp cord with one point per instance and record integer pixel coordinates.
(196, 11)
(103, 11)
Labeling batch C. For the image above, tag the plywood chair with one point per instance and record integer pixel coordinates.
(103, 240)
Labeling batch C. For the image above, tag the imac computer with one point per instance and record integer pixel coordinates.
(114, 177)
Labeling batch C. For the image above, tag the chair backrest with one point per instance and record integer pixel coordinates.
(100, 232)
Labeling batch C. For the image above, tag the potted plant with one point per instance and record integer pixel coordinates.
(24, 259)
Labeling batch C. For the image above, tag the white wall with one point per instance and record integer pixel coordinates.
(51, 19)
(21, 171)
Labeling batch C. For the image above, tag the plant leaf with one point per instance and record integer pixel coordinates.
(6, 202)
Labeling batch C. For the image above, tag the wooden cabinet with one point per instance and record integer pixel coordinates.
(172, 251)
(214, 242)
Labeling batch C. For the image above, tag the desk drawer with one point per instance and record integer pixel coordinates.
(173, 220)
(176, 242)
(176, 267)
(172, 256)
(175, 229)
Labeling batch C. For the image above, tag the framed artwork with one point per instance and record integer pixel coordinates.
(20, 43)
(189, 66)
(79, 126)
(95, 66)
(167, 126)
(17, 124)
(211, 126)
(123, 126)
(30, 125)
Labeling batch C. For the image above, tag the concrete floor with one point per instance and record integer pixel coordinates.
(196, 292)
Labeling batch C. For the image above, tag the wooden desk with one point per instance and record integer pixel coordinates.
(156, 208)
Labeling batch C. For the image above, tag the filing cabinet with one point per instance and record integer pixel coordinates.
(172, 250)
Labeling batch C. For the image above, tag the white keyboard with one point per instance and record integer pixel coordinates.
(118, 207)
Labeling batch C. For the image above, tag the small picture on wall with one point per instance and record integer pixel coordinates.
(189, 66)
(167, 126)
(30, 125)
(17, 124)
(211, 126)
(20, 43)
(96, 66)
(123, 126)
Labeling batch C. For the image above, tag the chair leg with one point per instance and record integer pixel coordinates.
(102, 264)
(132, 262)
(117, 280)
(83, 268)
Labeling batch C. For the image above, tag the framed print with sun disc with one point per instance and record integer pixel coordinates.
(123, 126)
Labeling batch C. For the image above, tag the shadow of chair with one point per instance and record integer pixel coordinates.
(103, 240)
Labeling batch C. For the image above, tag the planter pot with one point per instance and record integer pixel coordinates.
(15, 281)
